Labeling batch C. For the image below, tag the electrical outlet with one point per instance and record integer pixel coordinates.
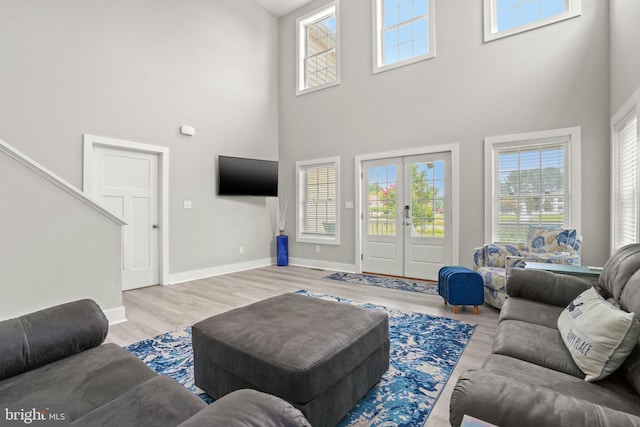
(317, 248)
(241, 249)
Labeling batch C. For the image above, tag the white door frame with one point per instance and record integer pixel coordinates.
(455, 193)
(91, 141)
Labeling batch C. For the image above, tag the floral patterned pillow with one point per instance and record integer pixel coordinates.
(545, 240)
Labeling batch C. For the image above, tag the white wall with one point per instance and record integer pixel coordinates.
(53, 248)
(624, 18)
(137, 70)
(552, 77)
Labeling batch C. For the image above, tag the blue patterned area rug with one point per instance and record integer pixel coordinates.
(424, 351)
(386, 282)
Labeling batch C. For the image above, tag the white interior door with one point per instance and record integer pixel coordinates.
(407, 215)
(126, 183)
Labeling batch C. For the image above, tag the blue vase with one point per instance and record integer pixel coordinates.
(282, 246)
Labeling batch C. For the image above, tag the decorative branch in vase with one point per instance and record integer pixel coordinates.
(282, 214)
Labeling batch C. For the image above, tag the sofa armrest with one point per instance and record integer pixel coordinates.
(39, 338)
(494, 254)
(478, 257)
(503, 401)
(248, 408)
(545, 286)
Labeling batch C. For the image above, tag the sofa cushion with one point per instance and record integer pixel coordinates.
(509, 402)
(544, 239)
(598, 335)
(531, 312)
(619, 271)
(631, 368)
(613, 391)
(545, 287)
(159, 401)
(80, 383)
(536, 344)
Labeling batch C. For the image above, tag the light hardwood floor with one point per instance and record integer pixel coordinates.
(154, 310)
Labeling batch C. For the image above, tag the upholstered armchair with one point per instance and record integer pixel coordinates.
(494, 260)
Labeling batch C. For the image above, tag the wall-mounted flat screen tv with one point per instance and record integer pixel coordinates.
(238, 176)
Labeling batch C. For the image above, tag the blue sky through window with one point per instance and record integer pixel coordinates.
(514, 13)
(331, 23)
(385, 176)
(405, 32)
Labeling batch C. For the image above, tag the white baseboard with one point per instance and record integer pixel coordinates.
(324, 265)
(187, 276)
(115, 315)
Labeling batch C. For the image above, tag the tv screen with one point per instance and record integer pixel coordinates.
(239, 176)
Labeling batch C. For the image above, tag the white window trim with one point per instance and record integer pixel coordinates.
(532, 138)
(491, 25)
(631, 106)
(305, 238)
(377, 39)
(331, 7)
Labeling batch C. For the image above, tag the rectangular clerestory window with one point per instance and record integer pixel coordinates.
(404, 32)
(507, 17)
(318, 49)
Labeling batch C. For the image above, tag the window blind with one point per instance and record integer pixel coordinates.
(318, 201)
(626, 183)
(531, 188)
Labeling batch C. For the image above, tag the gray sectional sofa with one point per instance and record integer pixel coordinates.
(55, 359)
(530, 378)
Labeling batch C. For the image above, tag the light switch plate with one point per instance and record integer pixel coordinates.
(187, 204)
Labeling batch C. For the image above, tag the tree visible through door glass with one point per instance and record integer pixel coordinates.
(427, 198)
(382, 200)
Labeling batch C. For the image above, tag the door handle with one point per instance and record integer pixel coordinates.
(154, 226)
(407, 215)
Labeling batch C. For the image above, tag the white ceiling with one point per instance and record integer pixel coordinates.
(282, 7)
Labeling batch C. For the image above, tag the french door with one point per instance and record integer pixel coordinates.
(407, 215)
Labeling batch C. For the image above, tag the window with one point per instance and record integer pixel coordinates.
(533, 179)
(318, 45)
(318, 201)
(404, 32)
(507, 17)
(625, 158)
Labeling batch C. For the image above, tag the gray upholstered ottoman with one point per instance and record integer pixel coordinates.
(321, 356)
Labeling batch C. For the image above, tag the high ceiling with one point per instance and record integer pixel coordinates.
(282, 7)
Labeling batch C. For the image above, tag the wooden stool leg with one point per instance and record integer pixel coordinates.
(455, 309)
(476, 310)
